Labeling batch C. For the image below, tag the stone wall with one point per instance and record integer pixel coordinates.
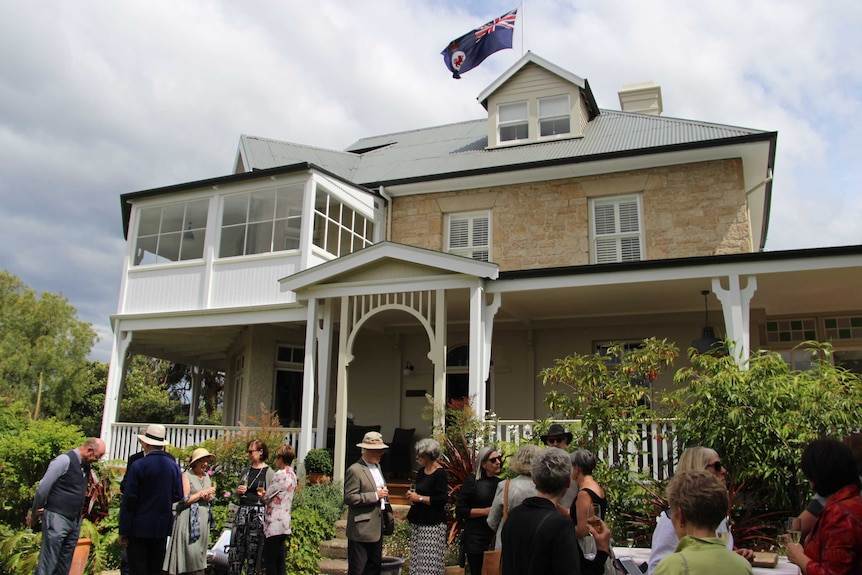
(689, 210)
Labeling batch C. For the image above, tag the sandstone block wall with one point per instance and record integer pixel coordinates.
(689, 210)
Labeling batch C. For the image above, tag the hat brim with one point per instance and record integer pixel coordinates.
(150, 441)
(201, 458)
(372, 445)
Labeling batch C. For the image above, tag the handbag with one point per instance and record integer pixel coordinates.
(387, 516)
(491, 561)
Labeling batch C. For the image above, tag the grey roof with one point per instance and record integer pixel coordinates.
(459, 149)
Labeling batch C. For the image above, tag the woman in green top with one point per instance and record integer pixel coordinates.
(698, 503)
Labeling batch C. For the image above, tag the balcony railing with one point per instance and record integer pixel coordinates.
(656, 452)
(124, 436)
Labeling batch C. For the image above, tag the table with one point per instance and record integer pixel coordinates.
(784, 567)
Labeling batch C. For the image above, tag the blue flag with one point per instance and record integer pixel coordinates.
(472, 48)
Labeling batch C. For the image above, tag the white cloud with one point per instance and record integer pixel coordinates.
(101, 99)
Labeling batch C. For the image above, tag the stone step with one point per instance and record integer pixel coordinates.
(341, 529)
(333, 567)
(334, 549)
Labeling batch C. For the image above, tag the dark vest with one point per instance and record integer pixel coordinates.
(68, 494)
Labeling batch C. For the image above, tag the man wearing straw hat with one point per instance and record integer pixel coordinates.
(153, 485)
(365, 495)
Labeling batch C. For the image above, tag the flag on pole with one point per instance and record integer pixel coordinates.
(471, 49)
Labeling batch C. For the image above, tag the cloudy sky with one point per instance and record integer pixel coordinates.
(100, 98)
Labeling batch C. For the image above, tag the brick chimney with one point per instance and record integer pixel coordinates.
(643, 98)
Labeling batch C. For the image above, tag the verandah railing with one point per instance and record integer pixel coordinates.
(655, 452)
(124, 436)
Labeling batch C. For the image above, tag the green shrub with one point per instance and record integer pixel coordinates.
(318, 461)
(325, 498)
(308, 529)
(24, 457)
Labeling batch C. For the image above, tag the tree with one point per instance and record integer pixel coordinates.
(43, 348)
(761, 417)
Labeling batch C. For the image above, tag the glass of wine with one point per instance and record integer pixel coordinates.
(630, 541)
(791, 530)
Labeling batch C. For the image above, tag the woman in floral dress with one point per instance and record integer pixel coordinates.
(279, 499)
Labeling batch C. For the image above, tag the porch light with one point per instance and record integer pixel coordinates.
(189, 234)
(408, 369)
(707, 342)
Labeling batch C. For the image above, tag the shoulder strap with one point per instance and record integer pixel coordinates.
(506, 501)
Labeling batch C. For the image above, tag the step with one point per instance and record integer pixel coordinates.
(334, 549)
(341, 529)
(333, 567)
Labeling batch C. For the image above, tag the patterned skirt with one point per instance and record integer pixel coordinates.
(246, 542)
(427, 549)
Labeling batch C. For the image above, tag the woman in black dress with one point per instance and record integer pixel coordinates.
(474, 506)
(427, 513)
(246, 545)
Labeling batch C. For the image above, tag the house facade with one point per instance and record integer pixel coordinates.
(459, 260)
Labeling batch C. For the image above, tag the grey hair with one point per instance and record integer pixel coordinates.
(522, 461)
(695, 458)
(552, 470)
(481, 458)
(428, 447)
(585, 460)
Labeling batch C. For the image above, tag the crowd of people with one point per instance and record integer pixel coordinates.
(547, 519)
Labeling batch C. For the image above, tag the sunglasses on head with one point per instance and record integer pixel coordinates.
(718, 466)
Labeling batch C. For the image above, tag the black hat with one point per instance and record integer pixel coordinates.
(555, 431)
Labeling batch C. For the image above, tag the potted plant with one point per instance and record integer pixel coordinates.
(318, 466)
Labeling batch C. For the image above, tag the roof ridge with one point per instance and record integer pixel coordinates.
(415, 130)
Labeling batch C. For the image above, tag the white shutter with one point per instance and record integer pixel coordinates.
(470, 235)
(617, 230)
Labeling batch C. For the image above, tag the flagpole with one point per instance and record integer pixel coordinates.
(523, 22)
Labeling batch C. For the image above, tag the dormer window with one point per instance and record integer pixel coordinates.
(554, 116)
(513, 121)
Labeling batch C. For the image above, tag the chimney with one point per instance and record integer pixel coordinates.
(643, 98)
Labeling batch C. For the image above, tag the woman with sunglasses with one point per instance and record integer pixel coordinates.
(664, 538)
(246, 541)
(474, 506)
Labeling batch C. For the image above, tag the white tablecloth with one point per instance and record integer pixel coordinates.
(641, 555)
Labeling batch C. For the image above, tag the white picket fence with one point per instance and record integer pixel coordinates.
(655, 453)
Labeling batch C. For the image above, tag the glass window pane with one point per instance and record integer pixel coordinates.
(332, 237)
(319, 233)
(514, 132)
(261, 206)
(554, 127)
(196, 214)
(258, 238)
(232, 241)
(149, 221)
(235, 210)
(192, 246)
(289, 201)
(145, 252)
(172, 218)
(346, 242)
(285, 237)
(169, 247)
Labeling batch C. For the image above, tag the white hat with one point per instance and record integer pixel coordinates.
(372, 440)
(155, 435)
(200, 453)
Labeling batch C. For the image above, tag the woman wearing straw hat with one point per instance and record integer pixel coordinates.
(190, 537)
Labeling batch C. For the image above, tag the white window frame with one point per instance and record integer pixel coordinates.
(180, 230)
(284, 223)
(525, 121)
(618, 236)
(472, 246)
(553, 117)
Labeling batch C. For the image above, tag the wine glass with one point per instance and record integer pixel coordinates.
(791, 529)
(630, 541)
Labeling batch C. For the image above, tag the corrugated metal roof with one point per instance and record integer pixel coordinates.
(460, 147)
(263, 153)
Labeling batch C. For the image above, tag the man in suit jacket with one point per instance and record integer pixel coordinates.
(365, 495)
(153, 485)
